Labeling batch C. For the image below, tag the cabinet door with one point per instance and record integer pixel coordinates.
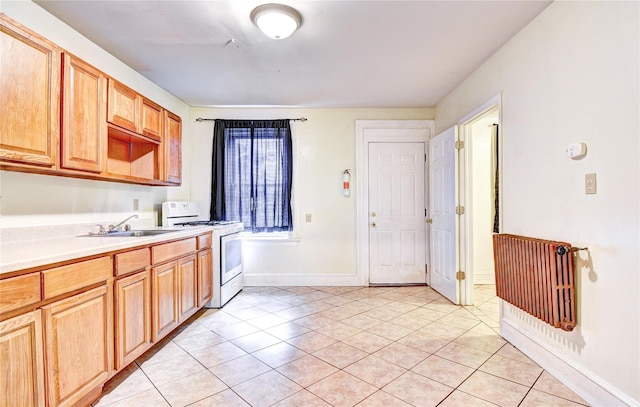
(30, 89)
(84, 123)
(78, 334)
(123, 106)
(22, 367)
(164, 298)
(172, 148)
(205, 277)
(133, 317)
(188, 286)
(151, 120)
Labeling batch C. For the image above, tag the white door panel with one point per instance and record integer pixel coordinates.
(397, 235)
(442, 203)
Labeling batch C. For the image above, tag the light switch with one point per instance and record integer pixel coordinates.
(307, 218)
(590, 185)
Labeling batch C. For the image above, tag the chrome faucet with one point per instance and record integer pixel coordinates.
(115, 228)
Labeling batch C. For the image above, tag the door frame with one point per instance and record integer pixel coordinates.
(420, 131)
(465, 190)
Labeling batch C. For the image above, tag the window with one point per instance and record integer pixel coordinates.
(252, 174)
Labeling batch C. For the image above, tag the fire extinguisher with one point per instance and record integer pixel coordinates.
(346, 176)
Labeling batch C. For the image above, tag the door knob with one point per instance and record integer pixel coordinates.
(373, 224)
(373, 214)
(429, 220)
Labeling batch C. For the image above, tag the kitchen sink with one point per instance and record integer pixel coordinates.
(133, 233)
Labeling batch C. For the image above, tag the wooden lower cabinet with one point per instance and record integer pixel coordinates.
(21, 361)
(132, 297)
(205, 277)
(174, 294)
(78, 337)
(164, 299)
(188, 287)
(63, 352)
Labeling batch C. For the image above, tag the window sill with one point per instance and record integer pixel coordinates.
(266, 240)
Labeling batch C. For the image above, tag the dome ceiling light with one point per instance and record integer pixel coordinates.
(276, 20)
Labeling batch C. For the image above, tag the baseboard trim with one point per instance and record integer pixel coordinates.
(484, 278)
(294, 280)
(593, 389)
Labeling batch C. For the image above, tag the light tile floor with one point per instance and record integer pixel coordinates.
(339, 346)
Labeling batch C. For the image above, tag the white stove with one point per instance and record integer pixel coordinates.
(228, 278)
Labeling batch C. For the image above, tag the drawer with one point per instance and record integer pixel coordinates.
(63, 279)
(204, 241)
(17, 292)
(168, 251)
(132, 261)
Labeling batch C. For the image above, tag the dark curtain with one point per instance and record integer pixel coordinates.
(496, 186)
(252, 174)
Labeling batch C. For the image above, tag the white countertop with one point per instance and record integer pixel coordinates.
(18, 255)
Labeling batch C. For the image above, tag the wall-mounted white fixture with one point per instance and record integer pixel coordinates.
(276, 20)
(346, 179)
(576, 151)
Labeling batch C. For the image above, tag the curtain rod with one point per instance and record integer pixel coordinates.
(300, 119)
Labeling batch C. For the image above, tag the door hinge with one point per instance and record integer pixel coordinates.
(425, 157)
(460, 275)
(426, 271)
(459, 210)
(459, 144)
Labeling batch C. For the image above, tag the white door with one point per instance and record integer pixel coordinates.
(397, 233)
(442, 203)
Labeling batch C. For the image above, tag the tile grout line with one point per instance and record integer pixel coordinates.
(362, 302)
(397, 341)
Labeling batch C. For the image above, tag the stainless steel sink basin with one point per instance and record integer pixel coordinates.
(133, 233)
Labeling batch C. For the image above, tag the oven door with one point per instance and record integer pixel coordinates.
(231, 257)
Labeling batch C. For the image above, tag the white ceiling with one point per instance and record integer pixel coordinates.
(346, 53)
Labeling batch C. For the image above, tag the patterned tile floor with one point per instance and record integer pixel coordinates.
(339, 346)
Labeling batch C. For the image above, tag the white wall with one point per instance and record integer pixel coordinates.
(324, 147)
(572, 75)
(34, 200)
(482, 200)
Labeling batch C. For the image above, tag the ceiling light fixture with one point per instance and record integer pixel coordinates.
(276, 20)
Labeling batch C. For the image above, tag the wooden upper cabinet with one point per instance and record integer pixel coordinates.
(123, 106)
(29, 90)
(151, 120)
(61, 116)
(172, 148)
(131, 111)
(84, 121)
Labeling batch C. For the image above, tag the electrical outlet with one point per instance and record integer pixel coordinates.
(590, 185)
(136, 205)
(307, 218)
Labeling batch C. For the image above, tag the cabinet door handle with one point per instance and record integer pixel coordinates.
(429, 220)
(373, 224)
